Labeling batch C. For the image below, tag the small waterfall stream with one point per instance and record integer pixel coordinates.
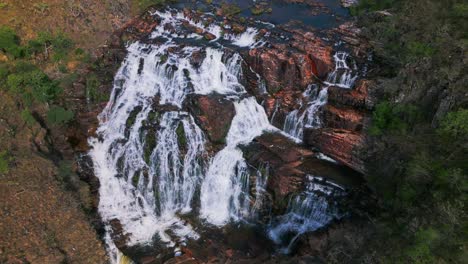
(315, 97)
(307, 211)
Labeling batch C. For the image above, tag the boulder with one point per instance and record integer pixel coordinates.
(358, 98)
(213, 113)
(343, 118)
(342, 145)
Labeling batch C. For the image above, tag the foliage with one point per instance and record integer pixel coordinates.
(419, 169)
(145, 4)
(455, 124)
(371, 5)
(27, 117)
(92, 89)
(10, 42)
(393, 118)
(230, 10)
(32, 84)
(59, 115)
(4, 162)
(41, 7)
(59, 43)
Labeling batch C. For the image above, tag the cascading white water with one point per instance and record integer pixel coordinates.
(224, 192)
(150, 176)
(306, 212)
(343, 75)
(176, 178)
(151, 164)
(245, 39)
(297, 119)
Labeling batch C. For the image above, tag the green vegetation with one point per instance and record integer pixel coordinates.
(10, 43)
(4, 162)
(92, 90)
(59, 115)
(397, 118)
(27, 82)
(230, 10)
(41, 7)
(46, 43)
(420, 129)
(372, 5)
(32, 84)
(27, 117)
(144, 4)
(58, 43)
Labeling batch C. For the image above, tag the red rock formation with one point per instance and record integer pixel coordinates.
(292, 66)
(357, 98)
(343, 118)
(342, 145)
(213, 113)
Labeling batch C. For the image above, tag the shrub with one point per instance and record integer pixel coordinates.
(59, 116)
(92, 90)
(372, 5)
(4, 71)
(59, 43)
(4, 162)
(455, 123)
(230, 10)
(394, 118)
(418, 49)
(33, 85)
(144, 4)
(10, 42)
(27, 117)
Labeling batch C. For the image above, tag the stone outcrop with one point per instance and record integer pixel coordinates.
(342, 145)
(292, 66)
(287, 165)
(213, 113)
(344, 118)
(358, 98)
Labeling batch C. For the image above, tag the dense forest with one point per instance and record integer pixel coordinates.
(419, 131)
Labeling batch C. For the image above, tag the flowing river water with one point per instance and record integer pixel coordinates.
(153, 164)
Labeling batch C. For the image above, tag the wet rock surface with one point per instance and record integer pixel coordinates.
(213, 113)
(342, 145)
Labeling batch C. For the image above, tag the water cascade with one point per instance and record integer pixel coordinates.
(223, 193)
(343, 76)
(306, 212)
(153, 160)
(315, 98)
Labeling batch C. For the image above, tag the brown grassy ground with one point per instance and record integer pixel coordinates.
(87, 22)
(40, 221)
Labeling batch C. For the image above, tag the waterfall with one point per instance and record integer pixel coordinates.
(306, 212)
(297, 119)
(151, 163)
(177, 178)
(224, 192)
(342, 76)
(245, 39)
(153, 160)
